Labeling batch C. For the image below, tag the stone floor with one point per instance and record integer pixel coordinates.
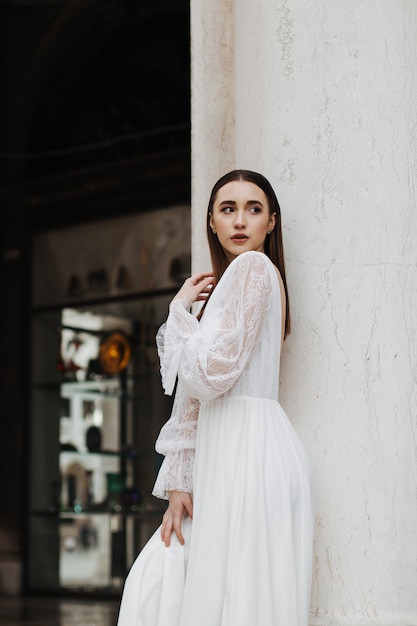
(57, 612)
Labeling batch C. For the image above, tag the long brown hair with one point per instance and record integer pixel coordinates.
(274, 248)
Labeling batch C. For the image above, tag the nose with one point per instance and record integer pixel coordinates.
(240, 219)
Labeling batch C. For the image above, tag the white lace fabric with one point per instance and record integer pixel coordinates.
(224, 354)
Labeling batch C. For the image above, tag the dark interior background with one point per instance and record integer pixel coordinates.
(94, 123)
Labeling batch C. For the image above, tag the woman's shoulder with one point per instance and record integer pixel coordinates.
(252, 260)
(250, 272)
(247, 268)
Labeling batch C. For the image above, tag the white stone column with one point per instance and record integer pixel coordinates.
(325, 105)
(212, 110)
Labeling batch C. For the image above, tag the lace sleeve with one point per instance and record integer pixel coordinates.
(213, 357)
(207, 358)
(177, 441)
(177, 437)
(170, 339)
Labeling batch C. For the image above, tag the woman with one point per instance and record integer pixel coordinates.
(233, 463)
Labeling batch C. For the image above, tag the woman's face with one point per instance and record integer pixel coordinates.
(240, 217)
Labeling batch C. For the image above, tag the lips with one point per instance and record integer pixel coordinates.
(240, 238)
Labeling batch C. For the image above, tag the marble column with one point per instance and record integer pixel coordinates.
(212, 110)
(324, 104)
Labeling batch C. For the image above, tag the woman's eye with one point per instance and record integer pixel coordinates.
(255, 209)
(227, 209)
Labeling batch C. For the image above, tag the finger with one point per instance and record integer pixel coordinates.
(163, 526)
(201, 278)
(166, 534)
(202, 289)
(166, 528)
(177, 529)
(188, 504)
(205, 286)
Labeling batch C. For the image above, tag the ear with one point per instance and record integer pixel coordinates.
(211, 222)
(272, 222)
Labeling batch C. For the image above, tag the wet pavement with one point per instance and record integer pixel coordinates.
(57, 612)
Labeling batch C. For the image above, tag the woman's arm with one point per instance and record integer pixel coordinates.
(174, 481)
(176, 441)
(209, 359)
(180, 325)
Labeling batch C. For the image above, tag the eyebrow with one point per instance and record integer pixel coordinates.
(233, 202)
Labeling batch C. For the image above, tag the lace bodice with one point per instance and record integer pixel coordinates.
(234, 350)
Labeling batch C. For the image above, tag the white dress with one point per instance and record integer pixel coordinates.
(247, 557)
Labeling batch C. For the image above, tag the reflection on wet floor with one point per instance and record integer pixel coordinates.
(57, 612)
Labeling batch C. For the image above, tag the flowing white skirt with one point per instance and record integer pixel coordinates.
(247, 557)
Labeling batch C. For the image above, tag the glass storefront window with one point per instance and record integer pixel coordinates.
(97, 404)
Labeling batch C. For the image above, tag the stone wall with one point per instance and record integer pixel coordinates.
(321, 98)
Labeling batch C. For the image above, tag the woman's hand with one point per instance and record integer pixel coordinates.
(180, 503)
(196, 287)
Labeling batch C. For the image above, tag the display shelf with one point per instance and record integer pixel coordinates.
(140, 512)
(93, 393)
(55, 385)
(106, 300)
(106, 453)
(92, 448)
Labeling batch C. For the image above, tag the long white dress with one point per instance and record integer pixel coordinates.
(247, 557)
